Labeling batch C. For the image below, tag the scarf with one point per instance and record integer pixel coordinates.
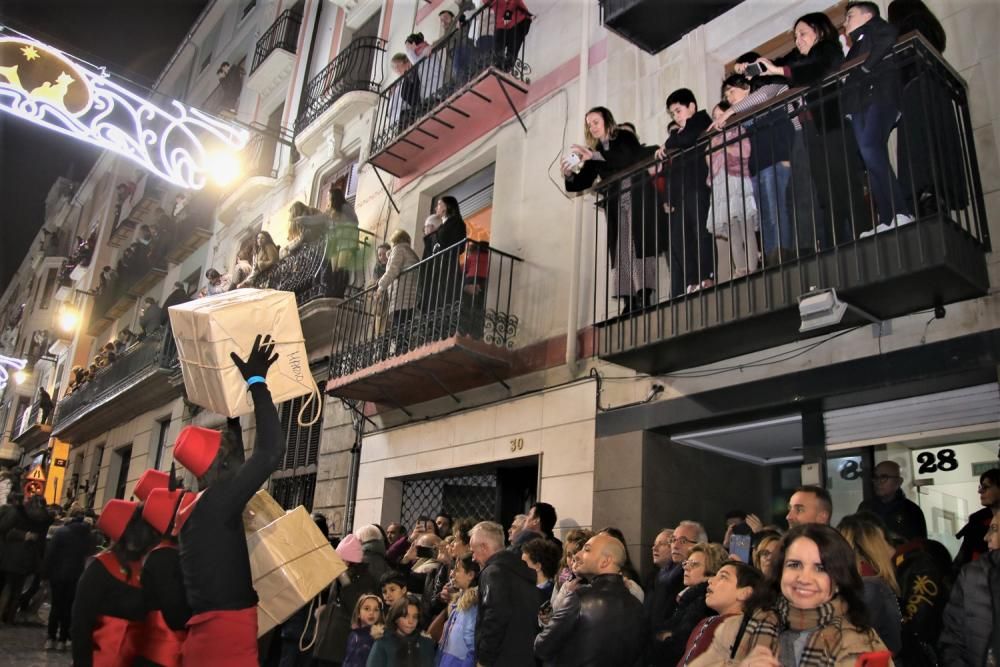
(826, 622)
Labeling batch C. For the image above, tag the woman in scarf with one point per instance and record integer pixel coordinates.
(810, 612)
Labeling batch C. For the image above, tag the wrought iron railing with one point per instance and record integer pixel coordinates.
(32, 417)
(464, 289)
(283, 34)
(327, 263)
(789, 190)
(156, 352)
(257, 157)
(475, 45)
(354, 69)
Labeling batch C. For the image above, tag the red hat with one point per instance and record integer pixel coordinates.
(115, 517)
(196, 447)
(151, 479)
(159, 509)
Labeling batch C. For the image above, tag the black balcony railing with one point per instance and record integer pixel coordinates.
(354, 69)
(794, 206)
(326, 263)
(156, 352)
(462, 290)
(283, 34)
(33, 417)
(257, 157)
(454, 62)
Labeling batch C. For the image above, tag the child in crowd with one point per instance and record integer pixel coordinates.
(367, 614)
(402, 644)
(458, 642)
(394, 587)
(732, 215)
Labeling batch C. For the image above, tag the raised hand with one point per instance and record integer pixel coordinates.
(257, 363)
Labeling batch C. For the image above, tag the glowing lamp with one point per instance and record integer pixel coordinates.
(68, 319)
(223, 167)
(20, 376)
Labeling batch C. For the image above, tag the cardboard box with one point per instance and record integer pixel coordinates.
(260, 511)
(207, 330)
(291, 562)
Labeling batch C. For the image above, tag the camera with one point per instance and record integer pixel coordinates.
(753, 69)
(573, 162)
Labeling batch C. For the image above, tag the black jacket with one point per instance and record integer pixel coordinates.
(660, 599)
(67, 552)
(876, 81)
(335, 621)
(821, 106)
(973, 536)
(691, 610)
(508, 612)
(970, 619)
(18, 554)
(623, 151)
(687, 172)
(883, 612)
(923, 570)
(597, 625)
(901, 515)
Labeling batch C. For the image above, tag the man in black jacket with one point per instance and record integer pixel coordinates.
(691, 250)
(901, 515)
(600, 623)
(871, 101)
(67, 552)
(222, 631)
(508, 601)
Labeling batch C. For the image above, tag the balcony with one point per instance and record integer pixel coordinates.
(258, 175)
(145, 376)
(445, 325)
(137, 207)
(342, 91)
(642, 21)
(326, 268)
(466, 86)
(823, 237)
(274, 56)
(32, 431)
(142, 265)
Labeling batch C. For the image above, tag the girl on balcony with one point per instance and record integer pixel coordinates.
(264, 260)
(401, 289)
(733, 213)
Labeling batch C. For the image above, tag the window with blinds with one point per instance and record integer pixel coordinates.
(295, 483)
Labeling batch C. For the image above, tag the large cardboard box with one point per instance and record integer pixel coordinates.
(291, 563)
(208, 329)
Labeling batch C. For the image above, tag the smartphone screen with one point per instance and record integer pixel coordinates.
(739, 546)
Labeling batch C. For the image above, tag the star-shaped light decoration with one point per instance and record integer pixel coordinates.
(30, 53)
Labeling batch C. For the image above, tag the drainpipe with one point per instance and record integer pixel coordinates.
(579, 205)
(358, 418)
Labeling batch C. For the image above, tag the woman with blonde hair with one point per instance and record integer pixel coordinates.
(402, 289)
(265, 258)
(873, 557)
(765, 549)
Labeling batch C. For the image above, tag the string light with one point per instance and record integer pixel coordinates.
(10, 362)
(45, 86)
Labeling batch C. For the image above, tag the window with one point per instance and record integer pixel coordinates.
(161, 441)
(345, 178)
(247, 8)
(123, 459)
(95, 475)
(295, 483)
(50, 285)
(475, 201)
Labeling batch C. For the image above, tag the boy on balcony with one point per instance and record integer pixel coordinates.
(871, 102)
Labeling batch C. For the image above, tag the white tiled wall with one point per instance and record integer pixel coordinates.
(556, 425)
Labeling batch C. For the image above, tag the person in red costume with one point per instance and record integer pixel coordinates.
(222, 632)
(108, 598)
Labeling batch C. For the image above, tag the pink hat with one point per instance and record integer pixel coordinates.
(350, 549)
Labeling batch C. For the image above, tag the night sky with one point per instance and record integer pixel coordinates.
(133, 38)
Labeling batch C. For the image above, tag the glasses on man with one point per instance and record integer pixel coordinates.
(683, 541)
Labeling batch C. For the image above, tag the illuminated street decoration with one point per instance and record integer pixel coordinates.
(9, 362)
(43, 85)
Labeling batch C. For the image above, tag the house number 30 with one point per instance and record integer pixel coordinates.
(516, 444)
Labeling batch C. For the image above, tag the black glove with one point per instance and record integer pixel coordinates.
(259, 360)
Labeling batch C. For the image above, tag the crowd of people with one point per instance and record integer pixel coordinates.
(775, 181)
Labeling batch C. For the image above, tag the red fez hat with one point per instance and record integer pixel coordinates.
(159, 509)
(115, 517)
(196, 448)
(151, 479)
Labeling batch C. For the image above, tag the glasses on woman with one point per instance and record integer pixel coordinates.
(691, 564)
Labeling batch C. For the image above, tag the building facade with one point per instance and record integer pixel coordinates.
(512, 376)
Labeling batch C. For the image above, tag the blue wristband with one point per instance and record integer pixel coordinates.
(254, 380)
